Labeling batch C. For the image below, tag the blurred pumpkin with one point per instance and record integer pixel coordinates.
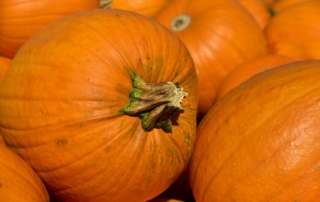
(20, 19)
(219, 34)
(248, 69)
(18, 182)
(259, 9)
(100, 114)
(4, 65)
(282, 4)
(261, 141)
(294, 31)
(144, 7)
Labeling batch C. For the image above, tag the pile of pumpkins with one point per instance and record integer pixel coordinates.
(164, 100)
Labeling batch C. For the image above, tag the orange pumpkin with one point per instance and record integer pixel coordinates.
(249, 68)
(18, 182)
(144, 7)
(294, 31)
(20, 19)
(99, 116)
(259, 9)
(219, 34)
(282, 4)
(4, 65)
(261, 141)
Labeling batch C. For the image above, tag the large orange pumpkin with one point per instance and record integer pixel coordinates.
(219, 34)
(20, 19)
(4, 65)
(249, 68)
(18, 182)
(145, 7)
(261, 142)
(93, 103)
(294, 31)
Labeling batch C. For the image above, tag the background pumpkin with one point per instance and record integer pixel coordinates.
(20, 19)
(259, 9)
(144, 7)
(294, 31)
(219, 34)
(68, 123)
(18, 182)
(282, 4)
(4, 65)
(248, 69)
(261, 140)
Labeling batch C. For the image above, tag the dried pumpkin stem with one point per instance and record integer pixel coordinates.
(106, 3)
(154, 104)
(180, 23)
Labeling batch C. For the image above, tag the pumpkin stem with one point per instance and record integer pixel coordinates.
(154, 104)
(180, 23)
(106, 4)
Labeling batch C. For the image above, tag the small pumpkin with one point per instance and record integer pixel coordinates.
(107, 115)
(219, 34)
(20, 19)
(261, 141)
(259, 9)
(18, 182)
(248, 69)
(144, 7)
(4, 65)
(294, 31)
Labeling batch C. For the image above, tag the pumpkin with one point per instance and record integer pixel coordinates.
(219, 34)
(259, 9)
(18, 182)
(20, 19)
(107, 115)
(295, 35)
(261, 141)
(144, 7)
(4, 65)
(282, 4)
(249, 68)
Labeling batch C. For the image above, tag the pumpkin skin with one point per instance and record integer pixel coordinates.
(67, 123)
(144, 7)
(220, 36)
(249, 68)
(282, 4)
(19, 20)
(259, 9)
(295, 35)
(18, 182)
(261, 140)
(4, 65)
